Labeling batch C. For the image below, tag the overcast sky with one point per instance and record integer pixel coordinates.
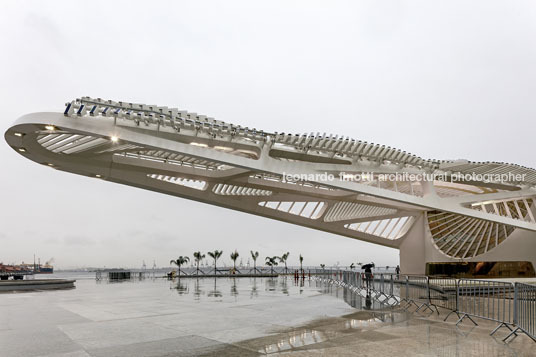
(440, 79)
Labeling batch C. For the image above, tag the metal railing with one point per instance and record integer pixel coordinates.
(512, 306)
(443, 293)
(524, 310)
(416, 292)
(379, 287)
(485, 299)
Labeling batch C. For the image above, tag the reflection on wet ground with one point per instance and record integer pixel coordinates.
(158, 317)
(230, 317)
(382, 334)
(293, 341)
(363, 324)
(215, 287)
(371, 329)
(374, 329)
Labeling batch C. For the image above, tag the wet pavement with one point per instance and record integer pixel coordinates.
(366, 333)
(229, 317)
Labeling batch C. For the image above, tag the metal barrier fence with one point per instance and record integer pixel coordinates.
(443, 293)
(524, 310)
(383, 286)
(416, 292)
(379, 287)
(485, 299)
(510, 305)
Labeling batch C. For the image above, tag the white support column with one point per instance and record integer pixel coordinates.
(412, 249)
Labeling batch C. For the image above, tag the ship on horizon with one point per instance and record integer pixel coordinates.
(37, 268)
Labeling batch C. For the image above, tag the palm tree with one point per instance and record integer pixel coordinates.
(215, 255)
(198, 256)
(352, 266)
(271, 262)
(301, 262)
(283, 259)
(234, 257)
(180, 261)
(254, 255)
(322, 266)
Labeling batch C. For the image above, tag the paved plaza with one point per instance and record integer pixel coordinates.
(228, 317)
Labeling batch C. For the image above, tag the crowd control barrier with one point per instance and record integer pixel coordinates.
(512, 306)
(485, 299)
(524, 311)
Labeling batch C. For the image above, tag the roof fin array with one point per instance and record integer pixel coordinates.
(394, 228)
(233, 190)
(195, 184)
(312, 210)
(341, 211)
(460, 236)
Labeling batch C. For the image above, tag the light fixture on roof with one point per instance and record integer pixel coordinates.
(114, 139)
(98, 176)
(50, 127)
(223, 148)
(50, 164)
(22, 149)
(18, 134)
(199, 144)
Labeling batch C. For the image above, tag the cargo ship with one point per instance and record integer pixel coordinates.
(46, 268)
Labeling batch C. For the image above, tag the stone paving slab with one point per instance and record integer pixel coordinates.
(154, 319)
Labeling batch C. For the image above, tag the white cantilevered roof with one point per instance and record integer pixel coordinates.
(199, 158)
(333, 147)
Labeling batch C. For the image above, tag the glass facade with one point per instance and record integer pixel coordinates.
(482, 269)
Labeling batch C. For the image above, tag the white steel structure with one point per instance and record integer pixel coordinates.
(196, 157)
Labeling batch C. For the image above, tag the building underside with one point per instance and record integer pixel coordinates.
(482, 226)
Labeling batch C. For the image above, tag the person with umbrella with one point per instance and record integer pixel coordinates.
(368, 273)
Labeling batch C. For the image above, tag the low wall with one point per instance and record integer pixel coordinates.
(38, 284)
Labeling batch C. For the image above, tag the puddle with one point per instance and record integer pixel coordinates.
(361, 324)
(294, 340)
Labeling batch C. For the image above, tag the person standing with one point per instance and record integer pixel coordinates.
(368, 274)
